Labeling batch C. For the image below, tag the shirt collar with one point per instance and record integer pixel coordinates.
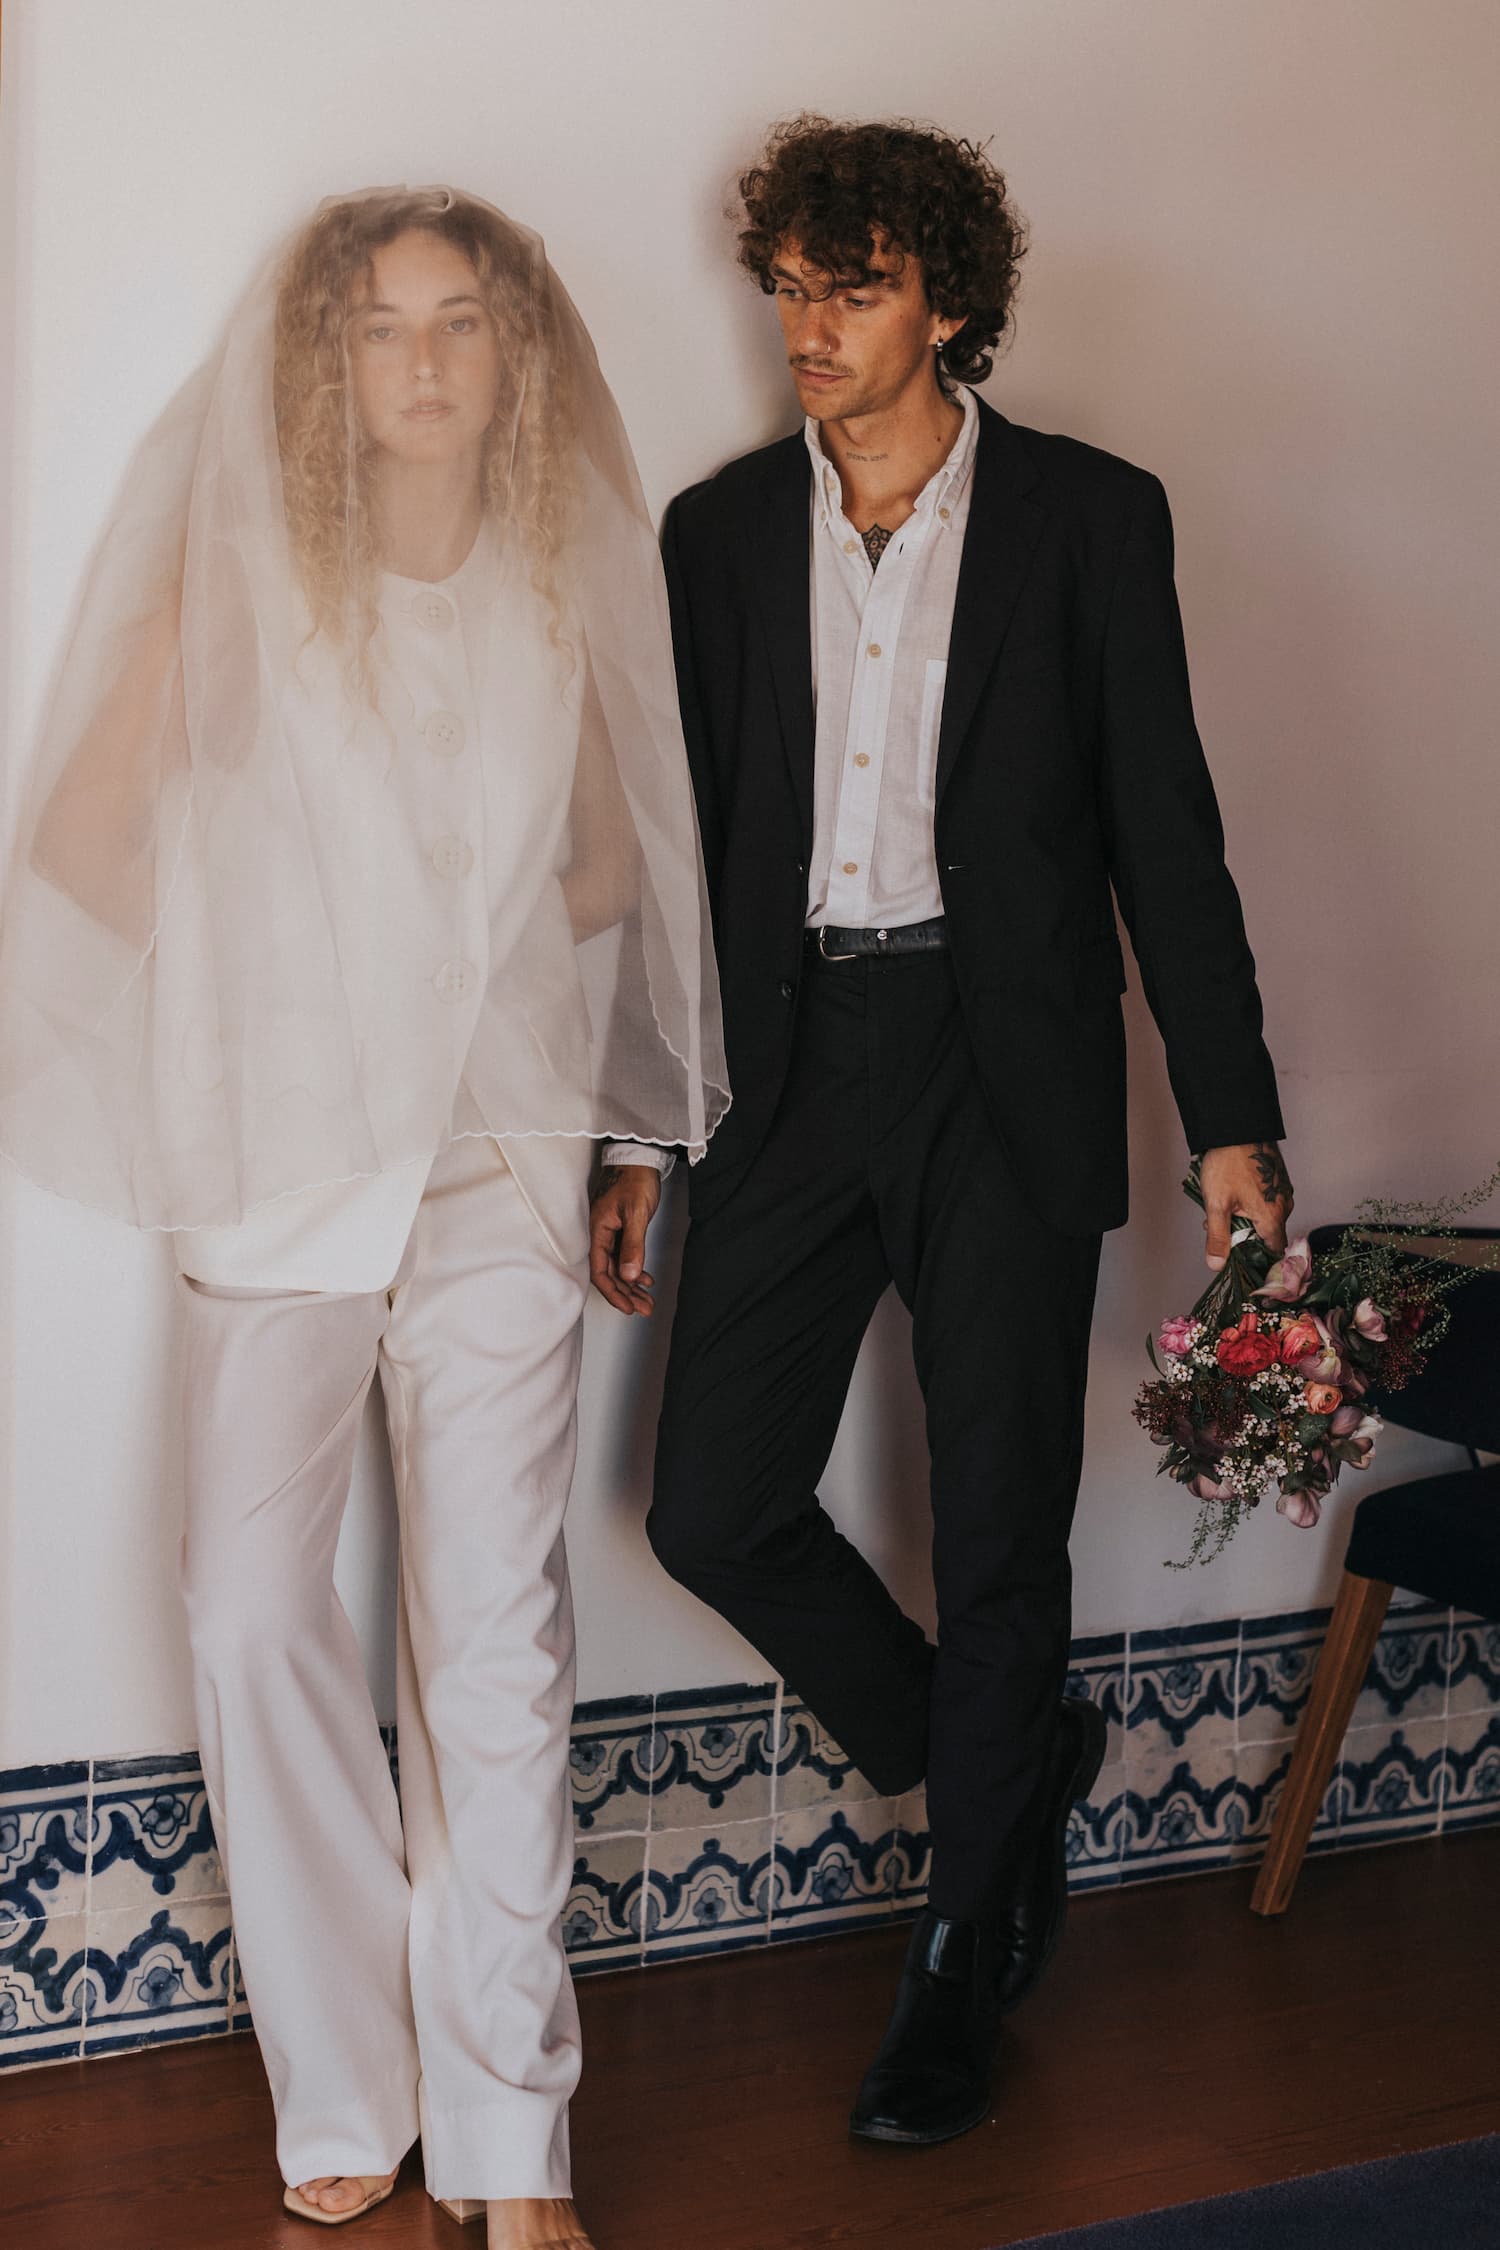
(941, 488)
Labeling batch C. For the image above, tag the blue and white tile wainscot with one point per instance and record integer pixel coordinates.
(713, 1820)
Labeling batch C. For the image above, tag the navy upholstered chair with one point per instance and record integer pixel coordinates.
(1438, 1535)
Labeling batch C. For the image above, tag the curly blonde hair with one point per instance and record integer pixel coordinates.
(326, 461)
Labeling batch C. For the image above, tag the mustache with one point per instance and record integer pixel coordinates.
(820, 367)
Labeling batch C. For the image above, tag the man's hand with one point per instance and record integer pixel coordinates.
(622, 1210)
(1250, 1179)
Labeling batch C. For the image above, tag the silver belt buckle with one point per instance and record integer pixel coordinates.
(823, 948)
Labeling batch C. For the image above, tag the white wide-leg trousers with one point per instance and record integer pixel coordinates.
(398, 1983)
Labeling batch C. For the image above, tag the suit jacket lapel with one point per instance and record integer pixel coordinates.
(1005, 522)
(779, 564)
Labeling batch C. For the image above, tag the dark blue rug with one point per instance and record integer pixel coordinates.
(1440, 2199)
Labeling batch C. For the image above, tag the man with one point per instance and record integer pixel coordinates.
(936, 702)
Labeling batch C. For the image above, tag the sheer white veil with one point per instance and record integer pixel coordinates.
(216, 967)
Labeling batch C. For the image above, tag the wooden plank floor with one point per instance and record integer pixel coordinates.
(1181, 2047)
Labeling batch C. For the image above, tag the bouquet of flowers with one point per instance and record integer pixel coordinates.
(1266, 1382)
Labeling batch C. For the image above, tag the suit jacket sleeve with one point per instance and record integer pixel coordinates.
(691, 701)
(1166, 846)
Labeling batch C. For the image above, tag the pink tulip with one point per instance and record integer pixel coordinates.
(1299, 1508)
(1322, 1365)
(1357, 1445)
(1370, 1320)
(1175, 1337)
(1288, 1279)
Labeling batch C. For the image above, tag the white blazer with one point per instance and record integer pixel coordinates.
(407, 784)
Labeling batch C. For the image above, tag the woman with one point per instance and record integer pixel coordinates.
(359, 896)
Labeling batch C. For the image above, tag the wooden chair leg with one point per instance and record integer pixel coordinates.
(1353, 1631)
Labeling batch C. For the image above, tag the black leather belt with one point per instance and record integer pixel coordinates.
(879, 945)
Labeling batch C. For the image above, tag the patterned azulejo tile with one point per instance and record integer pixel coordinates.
(1390, 1784)
(603, 1919)
(1277, 1659)
(1471, 1785)
(1190, 1818)
(42, 1991)
(150, 1834)
(1473, 1664)
(708, 1890)
(164, 1977)
(1098, 1832)
(1181, 1808)
(43, 1843)
(710, 1757)
(1261, 1769)
(1408, 1676)
(848, 1863)
(1181, 1682)
(609, 1761)
(43, 1895)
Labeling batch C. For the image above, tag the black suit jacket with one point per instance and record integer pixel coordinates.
(1068, 762)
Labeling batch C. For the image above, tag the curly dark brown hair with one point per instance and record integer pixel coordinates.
(833, 188)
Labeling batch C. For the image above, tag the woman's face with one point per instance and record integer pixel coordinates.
(424, 353)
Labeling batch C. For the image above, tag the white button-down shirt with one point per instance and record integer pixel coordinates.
(880, 660)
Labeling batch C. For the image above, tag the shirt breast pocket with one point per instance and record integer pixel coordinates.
(928, 728)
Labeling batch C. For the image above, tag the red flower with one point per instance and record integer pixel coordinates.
(1243, 1350)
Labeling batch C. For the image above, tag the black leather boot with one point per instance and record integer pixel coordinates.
(931, 2079)
(1030, 1916)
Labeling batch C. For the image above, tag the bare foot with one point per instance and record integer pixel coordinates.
(341, 2192)
(529, 2222)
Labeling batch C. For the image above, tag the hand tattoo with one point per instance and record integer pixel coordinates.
(876, 540)
(1275, 1180)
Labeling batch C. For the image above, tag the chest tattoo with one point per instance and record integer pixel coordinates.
(876, 540)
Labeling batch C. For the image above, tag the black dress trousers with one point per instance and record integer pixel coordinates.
(882, 1165)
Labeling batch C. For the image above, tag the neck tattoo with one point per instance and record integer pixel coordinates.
(876, 540)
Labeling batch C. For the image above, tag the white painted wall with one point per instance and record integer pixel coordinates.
(1263, 266)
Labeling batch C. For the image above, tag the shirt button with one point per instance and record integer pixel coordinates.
(444, 733)
(861, 757)
(850, 545)
(450, 855)
(454, 980)
(945, 513)
(873, 649)
(434, 611)
(851, 867)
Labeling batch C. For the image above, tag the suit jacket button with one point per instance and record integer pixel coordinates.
(787, 988)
